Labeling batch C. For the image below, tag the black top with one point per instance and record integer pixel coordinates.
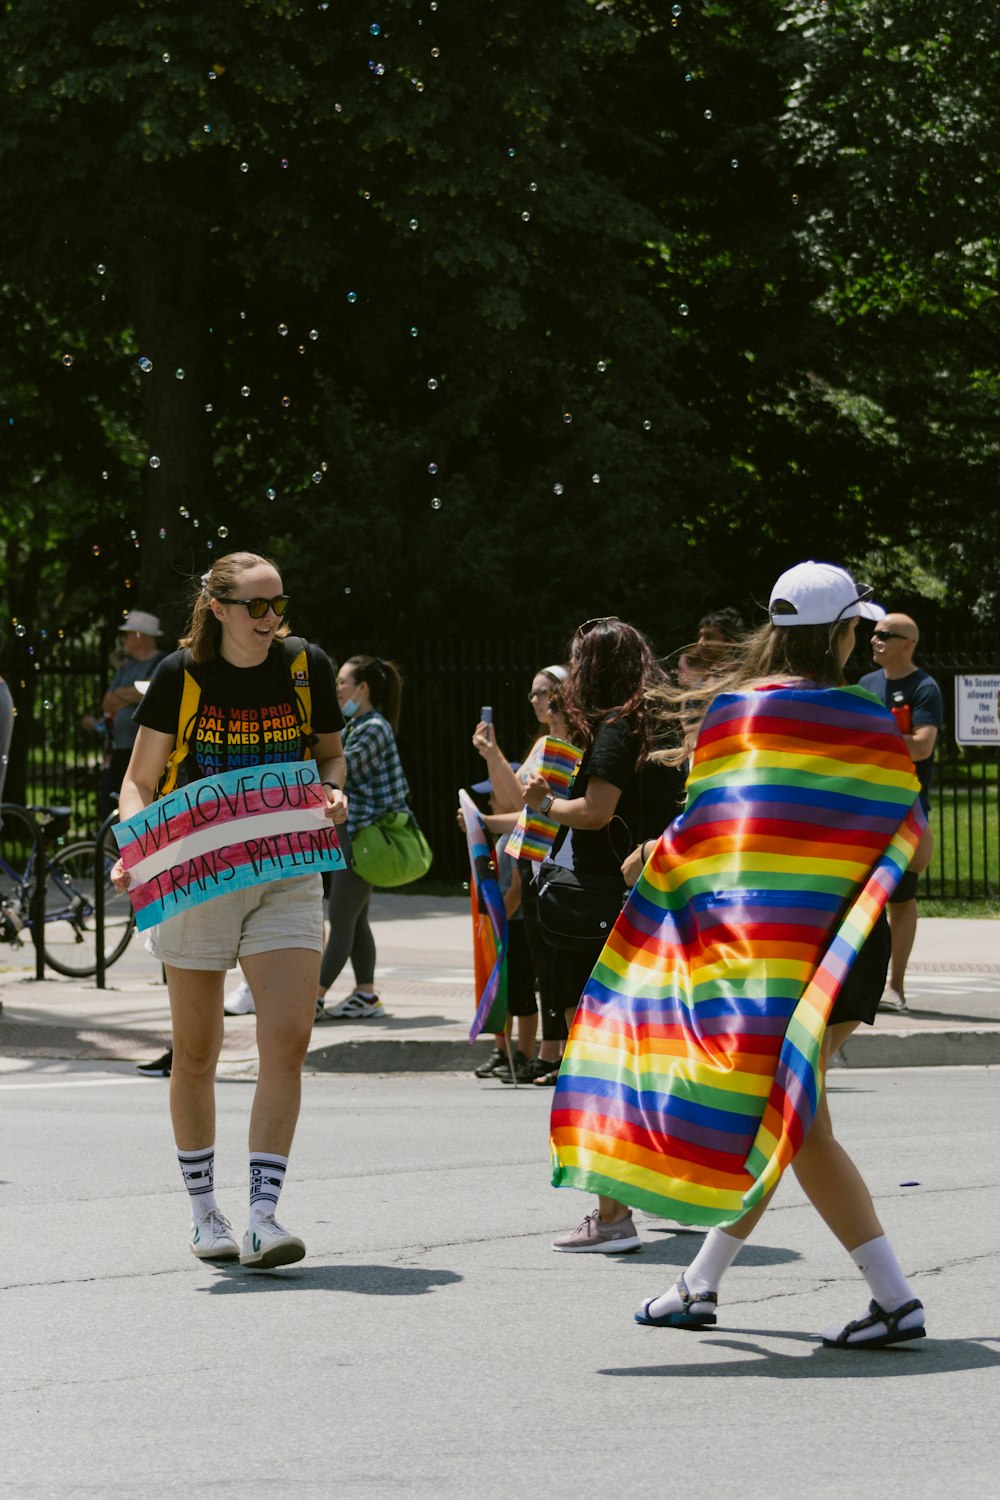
(920, 694)
(247, 716)
(650, 799)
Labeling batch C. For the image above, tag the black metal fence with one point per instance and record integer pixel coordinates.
(55, 760)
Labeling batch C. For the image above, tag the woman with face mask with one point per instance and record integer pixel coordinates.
(369, 691)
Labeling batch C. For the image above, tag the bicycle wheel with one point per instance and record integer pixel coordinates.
(70, 929)
(17, 840)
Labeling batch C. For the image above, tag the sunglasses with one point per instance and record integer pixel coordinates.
(258, 608)
(589, 625)
(888, 635)
(539, 693)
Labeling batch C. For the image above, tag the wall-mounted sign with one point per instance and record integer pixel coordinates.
(977, 720)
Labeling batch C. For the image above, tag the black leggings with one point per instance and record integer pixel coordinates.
(350, 934)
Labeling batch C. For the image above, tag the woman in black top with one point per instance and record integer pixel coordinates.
(618, 800)
(246, 716)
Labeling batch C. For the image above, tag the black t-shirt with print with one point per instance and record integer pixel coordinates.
(247, 715)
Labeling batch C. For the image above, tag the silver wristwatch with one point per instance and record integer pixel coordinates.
(546, 802)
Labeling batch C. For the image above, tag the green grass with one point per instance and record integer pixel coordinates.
(966, 860)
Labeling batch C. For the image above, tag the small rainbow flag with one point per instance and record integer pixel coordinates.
(534, 833)
(692, 1071)
(489, 924)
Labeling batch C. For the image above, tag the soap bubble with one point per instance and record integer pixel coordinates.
(223, 532)
(595, 478)
(676, 10)
(414, 332)
(104, 473)
(526, 216)
(432, 468)
(163, 533)
(166, 57)
(708, 114)
(557, 489)
(212, 75)
(183, 512)
(179, 374)
(352, 296)
(244, 390)
(207, 129)
(271, 494)
(683, 309)
(379, 70)
(435, 503)
(67, 360)
(734, 163)
(532, 187)
(324, 466)
(20, 630)
(347, 590)
(795, 197)
(435, 52)
(414, 223)
(101, 270)
(317, 477)
(567, 416)
(601, 366)
(286, 402)
(314, 334)
(46, 702)
(196, 522)
(432, 384)
(96, 550)
(647, 425)
(283, 163)
(154, 462)
(145, 365)
(209, 406)
(511, 151)
(374, 28)
(283, 329)
(244, 166)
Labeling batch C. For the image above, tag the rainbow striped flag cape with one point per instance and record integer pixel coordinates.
(692, 1070)
(534, 833)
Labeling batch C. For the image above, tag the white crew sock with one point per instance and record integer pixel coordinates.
(705, 1272)
(267, 1176)
(883, 1273)
(198, 1168)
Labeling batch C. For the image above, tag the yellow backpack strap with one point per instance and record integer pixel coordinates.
(297, 654)
(190, 703)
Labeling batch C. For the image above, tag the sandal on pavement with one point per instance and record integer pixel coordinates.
(877, 1319)
(686, 1317)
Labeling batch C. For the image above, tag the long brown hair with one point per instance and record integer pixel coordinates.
(612, 671)
(791, 653)
(385, 685)
(204, 633)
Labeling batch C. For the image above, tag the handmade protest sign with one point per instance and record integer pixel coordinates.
(224, 833)
(533, 832)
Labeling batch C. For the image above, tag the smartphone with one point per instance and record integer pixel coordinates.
(486, 715)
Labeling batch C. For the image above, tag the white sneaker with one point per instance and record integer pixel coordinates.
(893, 1000)
(240, 1002)
(355, 1008)
(212, 1237)
(267, 1243)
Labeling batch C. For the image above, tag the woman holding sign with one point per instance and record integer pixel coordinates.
(230, 701)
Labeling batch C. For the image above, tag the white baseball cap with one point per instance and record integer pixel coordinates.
(814, 593)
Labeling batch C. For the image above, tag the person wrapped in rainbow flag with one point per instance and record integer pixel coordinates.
(752, 945)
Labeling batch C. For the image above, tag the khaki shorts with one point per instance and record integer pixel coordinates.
(259, 919)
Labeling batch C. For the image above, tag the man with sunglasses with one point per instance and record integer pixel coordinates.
(914, 699)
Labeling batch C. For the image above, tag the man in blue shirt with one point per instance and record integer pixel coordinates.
(914, 699)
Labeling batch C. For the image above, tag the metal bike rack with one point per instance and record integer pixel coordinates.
(37, 904)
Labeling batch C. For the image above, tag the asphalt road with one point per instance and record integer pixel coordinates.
(432, 1345)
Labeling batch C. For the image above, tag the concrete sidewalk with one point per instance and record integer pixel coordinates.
(425, 979)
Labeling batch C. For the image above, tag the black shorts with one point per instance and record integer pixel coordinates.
(906, 890)
(861, 991)
(521, 999)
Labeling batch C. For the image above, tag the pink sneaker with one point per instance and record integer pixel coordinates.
(603, 1239)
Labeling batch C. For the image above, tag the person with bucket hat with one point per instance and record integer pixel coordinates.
(139, 632)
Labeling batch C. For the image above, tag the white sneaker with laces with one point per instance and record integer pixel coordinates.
(356, 1007)
(212, 1237)
(268, 1243)
(240, 1002)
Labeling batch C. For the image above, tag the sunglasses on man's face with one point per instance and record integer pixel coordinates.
(888, 635)
(258, 608)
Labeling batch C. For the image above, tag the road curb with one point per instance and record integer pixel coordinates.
(404, 1056)
(965, 1046)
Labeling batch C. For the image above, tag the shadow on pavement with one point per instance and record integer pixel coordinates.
(677, 1248)
(368, 1281)
(928, 1357)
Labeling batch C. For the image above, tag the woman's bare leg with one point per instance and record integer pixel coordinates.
(197, 1016)
(284, 991)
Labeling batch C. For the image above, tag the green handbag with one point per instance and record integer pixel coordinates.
(391, 851)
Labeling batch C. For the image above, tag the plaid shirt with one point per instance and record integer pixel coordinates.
(375, 780)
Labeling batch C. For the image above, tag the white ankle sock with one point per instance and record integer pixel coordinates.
(883, 1273)
(705, 1272)
(267, 1176)
(198, 1168)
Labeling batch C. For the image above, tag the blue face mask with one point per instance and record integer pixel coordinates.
(350, 708)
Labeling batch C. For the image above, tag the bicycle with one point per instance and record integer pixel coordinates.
(69, 940)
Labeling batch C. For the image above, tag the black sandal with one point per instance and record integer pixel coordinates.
(876, 1314)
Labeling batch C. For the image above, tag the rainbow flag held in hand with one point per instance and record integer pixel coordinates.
(692, 1071)
(534, 833)
(489, 924)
